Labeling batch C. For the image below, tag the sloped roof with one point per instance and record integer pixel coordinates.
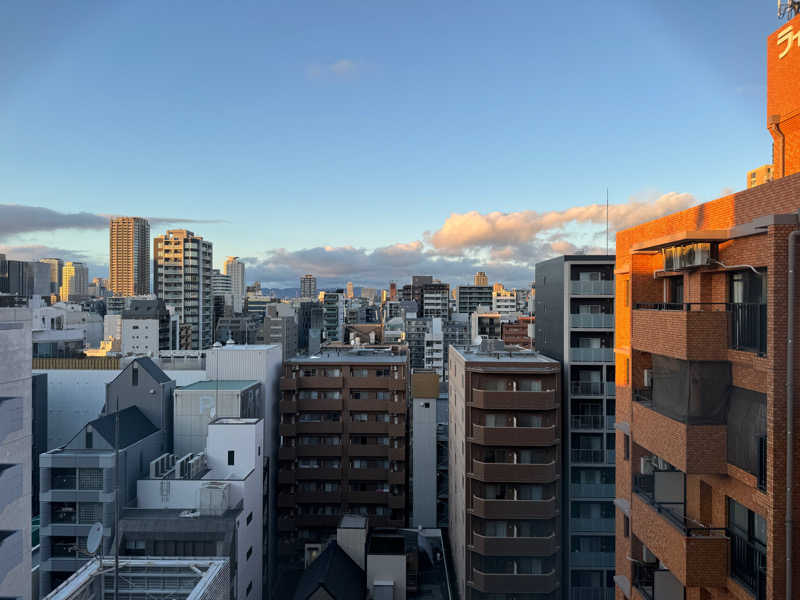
(336, 572)
(153, 369)
(133, 426)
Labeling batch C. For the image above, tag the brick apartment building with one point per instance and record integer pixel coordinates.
(343, 445)
(504, 472)
(702, 298)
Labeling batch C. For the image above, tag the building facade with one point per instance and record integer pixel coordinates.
(182, 278)
(234, 268)
(470, 297)
(16, 419)
(74, 281)
(343, 444)
(576, 294)
(56, 264)
(481, 280)
(129, 256)
(308, 286)
(504, 473)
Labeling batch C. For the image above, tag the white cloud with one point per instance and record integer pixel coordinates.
(344, 67)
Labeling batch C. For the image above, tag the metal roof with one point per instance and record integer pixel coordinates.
(220, 384)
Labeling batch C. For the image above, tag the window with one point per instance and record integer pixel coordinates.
(626, 527)
(249, 518)
(249, 552)
(135, 375)
(627, 446)
(748, 533)
(89, 438)
(231, 455)
(627, 292)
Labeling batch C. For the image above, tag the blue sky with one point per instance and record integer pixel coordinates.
(353, 126)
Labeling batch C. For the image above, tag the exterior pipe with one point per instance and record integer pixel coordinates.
(777, 129)
(793, 236)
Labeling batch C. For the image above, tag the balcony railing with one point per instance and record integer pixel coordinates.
(597, 355)
(580, 455)
(588, 525)
(673, 512)
(588, 422)
(586, 388)
(749, 565)
(592, 560)
(603, 287)
(591, 593)
(592, 490)
(591, 321)
(611, 388)
(762, 463)
(749, 327)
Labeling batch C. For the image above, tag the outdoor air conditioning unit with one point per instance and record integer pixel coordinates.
(160, 465)
(695, 255)
(648, 556)
(648, 378)
(645, 466)
(182, 466)
(197, 465)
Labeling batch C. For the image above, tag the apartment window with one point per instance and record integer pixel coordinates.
(249, 518)
(627, 446)
(135, 375)
(231, 455)
(89, 438)
(626, 527)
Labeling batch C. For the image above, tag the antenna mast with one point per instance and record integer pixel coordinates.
(788, 9)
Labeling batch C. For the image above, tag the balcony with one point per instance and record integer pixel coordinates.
(288, 406)
(367, 497)
(591, 355)
(318, 450)
(397, 454)
(591, 321)
(748, 565)
(611, 388)
(286, 476)
(514, 509)
(692, 331)
(319, 382)
(592, 288)
(367, 405)
(312, 427)
(697, 556)
(587, 525)
(397, 477)
(287, 429)
(368, 474)
(592, 490)
(593, 457)
(496, 400)
(656, 584)
(397, 501)
(318, 473)
(303, 497)
(367, 450)
(329, 521)
(514, 436)
(286, 501)
(397, 429)
(368, 427)
(509, 583)
(588, 422)
(586, 388)
(592, 560)
(381, 383)
(288, 383)
(748, 327)
(514, 546)
(319, 404)
(286, 453)
(591, 593)
(693, 449)
(511, 473)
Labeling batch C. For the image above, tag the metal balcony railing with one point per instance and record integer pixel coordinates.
(591, 321)
(587, 421)
(604, 287)
(602, 355)
(749, 564)
(590, 525)
(592, 490)
(748, 327)
(586, 388)
(673, 512)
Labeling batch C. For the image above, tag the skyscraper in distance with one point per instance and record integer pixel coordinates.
(56, 264)
(234, 268)
(129, 256)
(350, 293)
(75, 281)
(481, 279)
(308, 286)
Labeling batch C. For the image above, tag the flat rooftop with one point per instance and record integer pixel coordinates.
(510, 354)
(347, 356)
(223, 385)
(235, 421)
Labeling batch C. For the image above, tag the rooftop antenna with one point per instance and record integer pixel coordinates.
(788, 9)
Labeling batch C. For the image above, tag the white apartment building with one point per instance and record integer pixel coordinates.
(434, 347)
(504, 302)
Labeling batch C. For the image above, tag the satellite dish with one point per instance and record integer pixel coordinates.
(95, 537)
(477, 341)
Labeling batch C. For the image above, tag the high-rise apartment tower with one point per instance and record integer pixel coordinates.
(129, 256)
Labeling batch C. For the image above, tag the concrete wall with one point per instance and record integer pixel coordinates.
(382, 567)
(76, 396)
(423, 462)
(140, 337)
(15, 452)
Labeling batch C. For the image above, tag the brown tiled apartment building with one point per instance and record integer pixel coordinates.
(504, 472)
(702, 298)
(343, 444)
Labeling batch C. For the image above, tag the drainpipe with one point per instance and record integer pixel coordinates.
(793, 236)
(777, 129)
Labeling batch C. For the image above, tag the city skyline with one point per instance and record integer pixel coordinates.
(483, 73)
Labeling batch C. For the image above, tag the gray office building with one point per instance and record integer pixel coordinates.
(575, 304)
(15, 452)
(469, 297)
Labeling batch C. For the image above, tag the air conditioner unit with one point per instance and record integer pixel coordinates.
(695, 255)
(648, 378)
(182, 466)
(645, 466)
